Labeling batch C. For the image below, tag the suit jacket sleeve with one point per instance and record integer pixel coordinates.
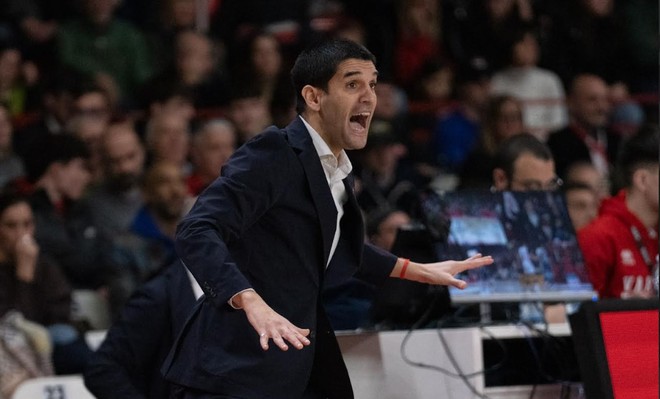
(246, 189)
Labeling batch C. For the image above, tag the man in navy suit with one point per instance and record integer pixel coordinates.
(260, 239)
(127, 364)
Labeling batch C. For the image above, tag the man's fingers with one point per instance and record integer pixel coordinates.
(460, 284)
(471, 263)
(296, 337)
(263, 340)
(279, 341)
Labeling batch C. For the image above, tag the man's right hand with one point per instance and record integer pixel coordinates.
(270, 324)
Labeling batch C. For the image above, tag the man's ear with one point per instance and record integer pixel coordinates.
(500, 181)
(312, 96)
(641, 179)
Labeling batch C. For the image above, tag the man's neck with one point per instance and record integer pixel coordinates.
(638, 206)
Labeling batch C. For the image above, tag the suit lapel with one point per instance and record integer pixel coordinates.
(300, 140)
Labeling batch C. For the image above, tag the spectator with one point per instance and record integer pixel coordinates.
(115, 201)
(60, 88)
(11, 165)
(168, 139)
(114, 52)
(211, 147)
(127, 364)
(456, 134)
(262, 60)
(165, 96)
(149, 243)
(35, 286)
(502, 119)
(587, 137)
(585, 173)
(581, 202)
(540, 90)
(89, 120)
(620, 246)
(196, 67)
(31, 283)
(248, 111)
(65, 229)
(17, 81)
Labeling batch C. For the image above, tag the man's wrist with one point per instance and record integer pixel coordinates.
(241, 298)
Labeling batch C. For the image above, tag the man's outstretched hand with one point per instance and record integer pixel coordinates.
(439, 273)
(269, 324)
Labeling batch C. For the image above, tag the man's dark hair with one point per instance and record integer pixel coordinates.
(512, 148)
(55, 148)
(639, 151)
(317, 64)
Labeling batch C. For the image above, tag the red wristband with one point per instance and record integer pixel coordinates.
(406, 262)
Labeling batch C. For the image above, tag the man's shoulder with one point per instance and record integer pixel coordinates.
(295, 134)
(605, 225)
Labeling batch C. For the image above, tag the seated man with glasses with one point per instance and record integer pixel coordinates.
(524, 163)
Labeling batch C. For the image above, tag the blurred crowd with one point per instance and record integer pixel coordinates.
(115, 114)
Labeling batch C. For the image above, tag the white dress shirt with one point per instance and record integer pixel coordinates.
(336, 170)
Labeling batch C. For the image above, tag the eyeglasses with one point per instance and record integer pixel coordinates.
(537, 185)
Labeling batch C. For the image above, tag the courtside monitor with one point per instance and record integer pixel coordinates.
(530, 237)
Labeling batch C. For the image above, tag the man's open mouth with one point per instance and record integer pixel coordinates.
(359, 121)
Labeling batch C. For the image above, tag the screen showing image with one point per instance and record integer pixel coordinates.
(529, 235)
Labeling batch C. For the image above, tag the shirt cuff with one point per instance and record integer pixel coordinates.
(231, 300)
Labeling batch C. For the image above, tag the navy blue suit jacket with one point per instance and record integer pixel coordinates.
(127, 365)
(268, 223)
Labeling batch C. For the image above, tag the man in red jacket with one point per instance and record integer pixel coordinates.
(621, 245)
